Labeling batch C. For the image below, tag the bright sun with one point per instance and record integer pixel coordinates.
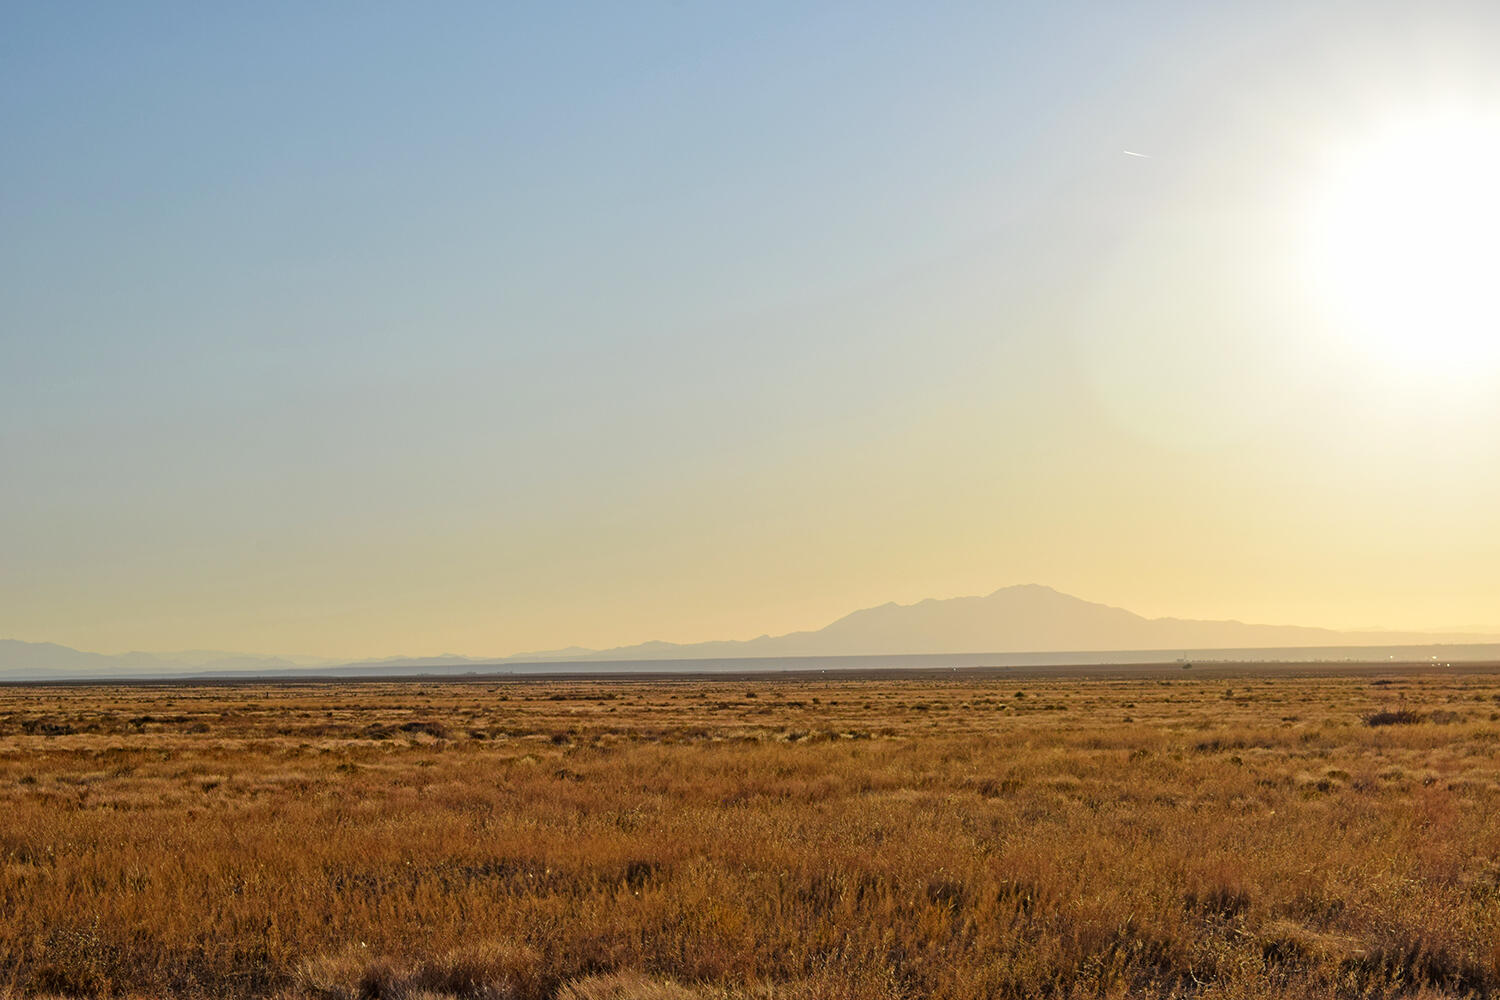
(1405, 242)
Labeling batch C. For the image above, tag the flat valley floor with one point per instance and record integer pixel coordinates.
(1214, 832)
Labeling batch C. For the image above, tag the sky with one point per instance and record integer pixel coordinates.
(400, 329)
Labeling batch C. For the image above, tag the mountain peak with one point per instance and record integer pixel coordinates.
(1019, 618)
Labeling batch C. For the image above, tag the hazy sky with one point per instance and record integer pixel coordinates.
(359, 329)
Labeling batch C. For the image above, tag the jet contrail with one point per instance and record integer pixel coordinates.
(1130, 152)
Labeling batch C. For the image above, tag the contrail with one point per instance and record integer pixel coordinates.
(1130, 152)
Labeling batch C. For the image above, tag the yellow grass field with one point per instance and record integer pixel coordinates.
(1176, 832)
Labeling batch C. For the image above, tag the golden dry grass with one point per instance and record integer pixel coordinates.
(649, 840)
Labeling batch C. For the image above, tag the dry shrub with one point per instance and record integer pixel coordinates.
(1290, 948)
(1419, 963)
(489, 971)
(1394, 717)
(1218, 902)
(625, 986)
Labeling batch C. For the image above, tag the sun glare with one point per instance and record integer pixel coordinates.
(1405, 243)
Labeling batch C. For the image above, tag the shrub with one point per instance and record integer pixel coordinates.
(488, 971)
(1399, 717)
(625, 986)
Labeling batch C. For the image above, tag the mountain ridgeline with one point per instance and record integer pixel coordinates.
(1022, 619)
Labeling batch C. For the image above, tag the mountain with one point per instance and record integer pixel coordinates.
(48, 659)
(1023, 619)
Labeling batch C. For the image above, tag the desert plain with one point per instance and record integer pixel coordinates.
(1204, 831)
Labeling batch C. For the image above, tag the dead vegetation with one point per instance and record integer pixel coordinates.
(858, 839)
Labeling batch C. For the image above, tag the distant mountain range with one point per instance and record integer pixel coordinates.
(44, 659)
(1025, 618)
(1020, 619)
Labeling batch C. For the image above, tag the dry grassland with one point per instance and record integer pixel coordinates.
(1197, 836)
